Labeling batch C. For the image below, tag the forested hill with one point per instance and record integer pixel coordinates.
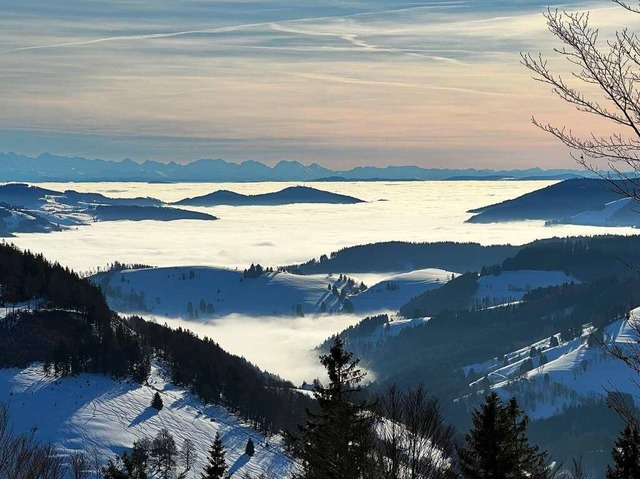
(583, 258)
(586, 258)
(404, 256)
(435, 351)
(51, 315)
(287, 196)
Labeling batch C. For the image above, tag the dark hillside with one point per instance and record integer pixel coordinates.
(433, 352)
(403, 256)
(557, 201)
(585, 258)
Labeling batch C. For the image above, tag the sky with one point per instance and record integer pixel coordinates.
(341, 83)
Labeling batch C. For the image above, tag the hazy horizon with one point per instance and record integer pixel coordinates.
(337, 168)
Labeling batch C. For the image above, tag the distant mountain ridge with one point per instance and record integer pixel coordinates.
(49, 167)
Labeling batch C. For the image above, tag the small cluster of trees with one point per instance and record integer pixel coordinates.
(255, 271)
(203, 308)
(157, 457)
(161, 458)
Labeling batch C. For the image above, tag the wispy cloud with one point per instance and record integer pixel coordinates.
(329, 82)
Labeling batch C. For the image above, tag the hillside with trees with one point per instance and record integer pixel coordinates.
(396, 256)
(53, 316)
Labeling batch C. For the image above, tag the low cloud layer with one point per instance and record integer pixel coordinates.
(280, 345)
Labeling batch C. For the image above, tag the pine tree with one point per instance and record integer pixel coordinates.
(527, 460)
(335, 442)
(626, 455)
(156, 402)
(497, 446)
(217, 466)
(250, 450)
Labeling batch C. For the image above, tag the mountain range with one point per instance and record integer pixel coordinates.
(49, 167)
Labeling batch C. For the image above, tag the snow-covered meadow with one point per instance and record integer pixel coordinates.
(80, 413)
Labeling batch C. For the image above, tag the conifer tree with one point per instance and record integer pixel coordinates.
(250, 450)
(156, 402)
(216, 467)
(626, 455)
(497, 446)
(335, 442)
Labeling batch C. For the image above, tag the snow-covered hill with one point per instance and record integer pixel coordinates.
(509, 286)
(16, 220)
(204, 292)
(27, 209)
(622, 212)
(399, 289)
(78, 413)
(564, 373)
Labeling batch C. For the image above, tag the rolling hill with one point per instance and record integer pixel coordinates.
(287, 196)
(556, 202)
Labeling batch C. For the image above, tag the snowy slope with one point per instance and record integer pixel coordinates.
(511, 286)
(575, 372)
(622, 212)
(169, 291)
(77, 413)
(215, 292)
(27, 209)
(397, 290)
(14, 220)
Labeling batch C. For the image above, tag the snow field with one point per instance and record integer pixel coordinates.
(80, 412)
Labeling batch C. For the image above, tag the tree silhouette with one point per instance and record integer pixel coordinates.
(610, 66)
(335, 442)
(156, 402)
(626, 455)
(216, 466)
(497, 446)
(250, 450)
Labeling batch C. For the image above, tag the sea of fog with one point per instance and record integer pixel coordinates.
(279, 235)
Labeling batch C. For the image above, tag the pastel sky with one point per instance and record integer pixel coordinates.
(341, 83)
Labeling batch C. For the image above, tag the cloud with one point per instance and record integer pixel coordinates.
(283, 346)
